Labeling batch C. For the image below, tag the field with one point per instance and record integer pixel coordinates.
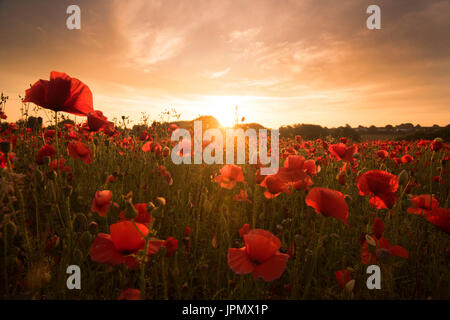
(320, 214)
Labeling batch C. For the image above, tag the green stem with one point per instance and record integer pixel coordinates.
(314, 261)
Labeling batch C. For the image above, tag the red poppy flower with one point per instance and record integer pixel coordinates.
(79, 150)
(241, 196)
(166, 174)
(380, 246)
(407, 158)
(130, 294)
(382, 154)
(440, 217)
(143, 216)
(381, 185)
(275, 186)
(330, 203)
(96, 120)
(230, 174)
(341, 152)
(121, 245)
(244, 230)
(423, 204)
(102, 202)
(342, 277)
(171, 245)
(61, 93)
(260, 255)
(46, 151)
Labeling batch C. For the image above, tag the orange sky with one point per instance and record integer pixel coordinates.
(280, 61)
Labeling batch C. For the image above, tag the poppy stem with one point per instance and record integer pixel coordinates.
(314, 261)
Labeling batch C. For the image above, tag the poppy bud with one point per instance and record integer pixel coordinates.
(5, 147)
(130, 211)
(46, 160)
(185, 287)
(11, 230)
(350, 285)
(51, 175)
(86, 240)
(67, 190)
(371, 242)
(403, 177)
(93, 227)
(78, 256)
(383, 255)
(161, 201)
(80, 222)
(150, 206)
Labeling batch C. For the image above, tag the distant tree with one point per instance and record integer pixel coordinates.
(372, 129)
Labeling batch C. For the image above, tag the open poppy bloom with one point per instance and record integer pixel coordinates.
(423, 204)
(440, 217)
(79, 150)
(230, 174)
(121, 245)
(329, 202)
(376, 247)
(171, 245)
(275, 186)
(143, 216)
(295, 174)
(242, 196)
(96, 120)
(46, 151)
(341, 152)
(381, 186)
(382, 154)
(260, 255)
(61, 93)
(102, 202)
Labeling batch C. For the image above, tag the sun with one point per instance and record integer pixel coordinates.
(223, 109)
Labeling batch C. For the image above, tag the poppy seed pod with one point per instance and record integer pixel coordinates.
(5, 147)
(80, 222)
(86, 240)
(130, 211)
(350, 285)
(383, 255)
(403, 177)
(161, 201)
(371, 241)
(93, 227)
(150, 206)
(11, 230)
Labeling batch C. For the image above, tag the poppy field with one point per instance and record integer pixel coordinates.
(109, 199)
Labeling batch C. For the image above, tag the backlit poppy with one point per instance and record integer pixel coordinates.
(79, 150)
(260, 255)
(230, 174)
(61, 93)
(423, 204)
(330, 203)
(381, 186)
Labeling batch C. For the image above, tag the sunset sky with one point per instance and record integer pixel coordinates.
(280, 61)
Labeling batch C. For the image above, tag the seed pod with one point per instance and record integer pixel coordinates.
(403, 177)
(130, 211)
(67, 190)
(5, 147)
(161, 201)
(11, 230)
(78, 256)
(383, 255)
(80, 222)
(93, 228)
(86, 240)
